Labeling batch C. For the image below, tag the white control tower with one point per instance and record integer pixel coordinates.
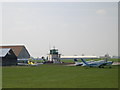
(54, 56)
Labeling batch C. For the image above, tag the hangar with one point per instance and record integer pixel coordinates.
(20, 51)
(7, 57)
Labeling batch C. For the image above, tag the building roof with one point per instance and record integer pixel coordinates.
(79, 56)
(4, 51)
(16, 48)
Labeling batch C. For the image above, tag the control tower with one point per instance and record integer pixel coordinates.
(54, 56)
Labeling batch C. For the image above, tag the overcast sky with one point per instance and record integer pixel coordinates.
(75, 28)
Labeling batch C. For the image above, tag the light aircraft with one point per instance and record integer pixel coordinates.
(92, 63)
(28, 63)
(32, 64)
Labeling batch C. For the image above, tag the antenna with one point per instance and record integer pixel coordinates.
(53, 47)
(49, 46)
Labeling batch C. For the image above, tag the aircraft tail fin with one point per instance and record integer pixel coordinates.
(84, 62)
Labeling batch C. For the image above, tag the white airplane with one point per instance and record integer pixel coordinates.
(92, 63)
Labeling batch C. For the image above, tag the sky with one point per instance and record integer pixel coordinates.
(75, 28)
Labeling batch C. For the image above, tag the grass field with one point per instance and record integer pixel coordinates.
(59, 76)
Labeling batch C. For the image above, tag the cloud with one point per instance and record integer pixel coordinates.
(101, 12)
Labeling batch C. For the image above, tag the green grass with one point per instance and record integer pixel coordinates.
(59, 76)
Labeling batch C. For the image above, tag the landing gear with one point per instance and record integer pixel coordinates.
(101, 67)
